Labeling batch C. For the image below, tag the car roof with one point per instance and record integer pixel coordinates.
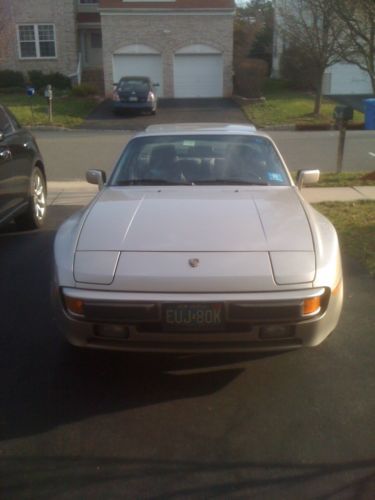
(198, 128)
(143, 78)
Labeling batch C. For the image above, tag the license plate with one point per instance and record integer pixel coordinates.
(193, 317)
(133, 99)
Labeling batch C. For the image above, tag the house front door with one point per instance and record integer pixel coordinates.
(92, 49)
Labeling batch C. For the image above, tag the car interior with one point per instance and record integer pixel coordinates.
(189, 163)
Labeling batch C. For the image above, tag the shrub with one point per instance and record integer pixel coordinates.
(296, 68)
(37, 79)
(59, 81)
(250, 75)
(9, 78)
(84, 90)
(40, 80)
(12, 90)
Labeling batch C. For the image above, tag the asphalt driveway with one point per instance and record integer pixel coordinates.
(109, 425)
(169, 111)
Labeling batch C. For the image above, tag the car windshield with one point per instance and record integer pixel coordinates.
(200, 160)
(138, 85)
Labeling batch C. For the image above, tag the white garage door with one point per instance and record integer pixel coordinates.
(348, 79)
(139, 65)
(198, 75)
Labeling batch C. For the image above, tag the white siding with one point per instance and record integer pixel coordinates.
(347, 79)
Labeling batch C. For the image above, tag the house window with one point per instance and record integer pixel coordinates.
(36, 41)
(88, 1)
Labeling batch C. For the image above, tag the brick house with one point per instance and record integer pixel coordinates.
(184, 45)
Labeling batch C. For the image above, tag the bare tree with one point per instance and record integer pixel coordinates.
(311, 26)
(357, 38)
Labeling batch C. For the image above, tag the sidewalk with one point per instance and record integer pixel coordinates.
(81, 193)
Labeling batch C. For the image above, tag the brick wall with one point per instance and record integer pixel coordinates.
(61, 13)
(167, 34)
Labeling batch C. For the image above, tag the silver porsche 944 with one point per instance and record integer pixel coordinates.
(199, 241)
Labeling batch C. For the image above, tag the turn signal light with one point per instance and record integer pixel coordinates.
(311, 306)
(74, 306)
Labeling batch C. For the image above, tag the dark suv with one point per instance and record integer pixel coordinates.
(136, 93)
(23, 189)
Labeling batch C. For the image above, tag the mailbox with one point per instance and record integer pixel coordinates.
(48, 93)
(343, 113)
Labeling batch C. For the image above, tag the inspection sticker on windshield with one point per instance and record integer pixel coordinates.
(274, 176)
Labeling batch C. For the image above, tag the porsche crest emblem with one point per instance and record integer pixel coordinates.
(193, 262)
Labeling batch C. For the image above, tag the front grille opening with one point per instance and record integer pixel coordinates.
(158, 327)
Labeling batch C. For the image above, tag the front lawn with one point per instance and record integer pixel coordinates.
(284, 106)
(355, 224)
(343, 179)
(68, 111)
(346, 179)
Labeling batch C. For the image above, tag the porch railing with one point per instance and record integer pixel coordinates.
(76, 78)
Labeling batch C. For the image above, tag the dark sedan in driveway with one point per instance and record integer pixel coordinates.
(135, 93)
(23, 188)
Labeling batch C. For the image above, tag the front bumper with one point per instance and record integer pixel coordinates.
(238, 337)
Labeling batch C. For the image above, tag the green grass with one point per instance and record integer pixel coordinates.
(355, 224)
(67, 111)
(344, 179)
(284, 106)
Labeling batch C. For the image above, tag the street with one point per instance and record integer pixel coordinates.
(68, 154)
(101, 425)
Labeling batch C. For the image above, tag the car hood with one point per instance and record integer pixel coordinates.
(196, 218)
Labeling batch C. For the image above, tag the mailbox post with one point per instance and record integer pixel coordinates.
(48, 94)
(342, 114)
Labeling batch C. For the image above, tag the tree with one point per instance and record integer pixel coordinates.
(312, 26)
(295, 69)
(357, 38)
(263, 43)
(244, 33)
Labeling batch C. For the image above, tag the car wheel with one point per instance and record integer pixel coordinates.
(35, 214)
(153, 112)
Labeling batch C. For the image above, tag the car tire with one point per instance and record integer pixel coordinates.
(35, 214)
(153, 112)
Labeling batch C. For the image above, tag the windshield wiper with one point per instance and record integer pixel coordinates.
(232, 182)
(152, 182)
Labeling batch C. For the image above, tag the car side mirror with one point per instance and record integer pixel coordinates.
(96, 177)
(307, 177)
(156, 84)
